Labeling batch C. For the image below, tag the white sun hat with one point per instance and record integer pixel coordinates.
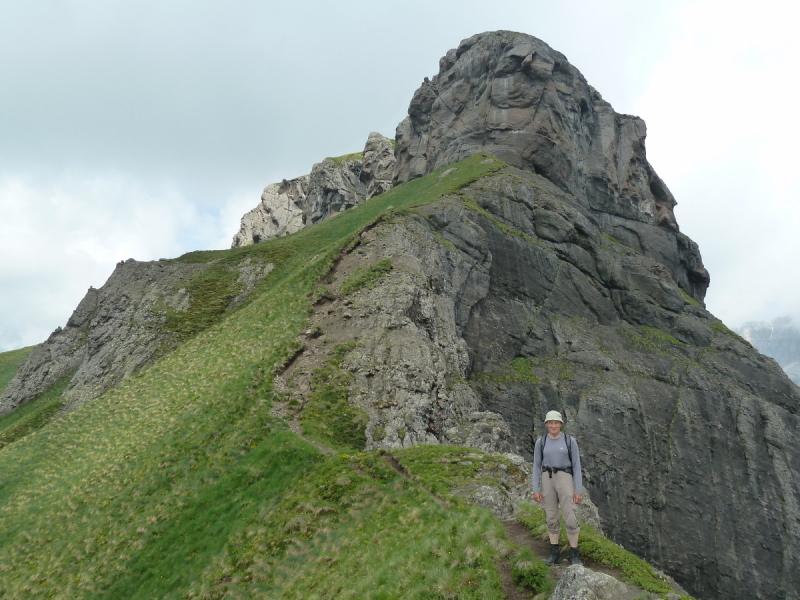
(553, 415)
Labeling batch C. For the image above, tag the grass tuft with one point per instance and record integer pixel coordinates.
(527, 569)
(365, 277)
(10, 362)
(34, 414)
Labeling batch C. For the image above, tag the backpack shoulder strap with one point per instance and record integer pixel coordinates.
(541, 450)
(569, 448)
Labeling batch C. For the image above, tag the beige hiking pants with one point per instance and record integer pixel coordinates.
(558, 491)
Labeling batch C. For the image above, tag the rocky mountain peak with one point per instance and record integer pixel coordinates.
(512, 96)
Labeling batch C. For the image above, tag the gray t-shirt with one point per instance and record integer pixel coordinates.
(557, 457)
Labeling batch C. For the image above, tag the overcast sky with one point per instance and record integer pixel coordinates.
(146, 129)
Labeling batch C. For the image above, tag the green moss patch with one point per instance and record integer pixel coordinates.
(327, 416)
(518, 370)
(365, 277)
(720, 327)
(651, 340)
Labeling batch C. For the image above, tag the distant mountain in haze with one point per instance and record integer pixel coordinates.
(779, 339)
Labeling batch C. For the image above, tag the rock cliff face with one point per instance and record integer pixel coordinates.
(513, 96)
(780, 340)
(334, 185)
(117, 330)
(509, 301)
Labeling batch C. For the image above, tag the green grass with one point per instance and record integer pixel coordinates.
(595, 546)
(9, 364)
(34, 414)
(352, 157)
(527, 569)
(179, 481)
(365, 277)
(444, 469)
(327, 417)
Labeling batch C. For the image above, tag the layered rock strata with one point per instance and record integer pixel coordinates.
(334, 185)
(513, 96)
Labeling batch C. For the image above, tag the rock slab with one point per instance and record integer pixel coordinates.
(332, 186)
(580, 583)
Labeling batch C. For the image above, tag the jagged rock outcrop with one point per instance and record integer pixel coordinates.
(117, 330)
(279, 213)
(334, 185)
(513, 96)
(778, 339)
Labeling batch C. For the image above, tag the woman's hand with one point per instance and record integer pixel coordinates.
(576, 498)
(537, 496)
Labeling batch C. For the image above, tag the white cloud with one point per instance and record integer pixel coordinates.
(722, 135)
(58, 239)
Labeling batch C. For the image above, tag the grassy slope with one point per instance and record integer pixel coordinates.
(178, 481)
(179, 484)
(10, 362)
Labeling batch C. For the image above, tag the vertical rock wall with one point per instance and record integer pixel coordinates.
(513, 96)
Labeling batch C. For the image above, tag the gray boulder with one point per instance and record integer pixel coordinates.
(334, 185)
(580, 583)
(279, 213)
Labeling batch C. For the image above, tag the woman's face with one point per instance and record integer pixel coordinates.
(554, 427)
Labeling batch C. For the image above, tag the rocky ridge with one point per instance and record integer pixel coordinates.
(119, 329)
(334, 185)
(491, 316)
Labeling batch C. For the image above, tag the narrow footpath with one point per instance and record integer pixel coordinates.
(516, 531)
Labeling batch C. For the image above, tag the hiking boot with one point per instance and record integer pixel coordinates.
(555, 555)
(574, 556)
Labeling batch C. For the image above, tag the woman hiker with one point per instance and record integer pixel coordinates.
(557, 461)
